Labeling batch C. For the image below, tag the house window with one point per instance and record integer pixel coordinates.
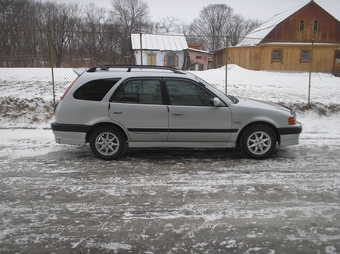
(171, 60)
(316, 25)
(302, 25)
(219, 58)
(151, 59)
(198, 57)
(277, 55)
(305, 56)
(337, 56)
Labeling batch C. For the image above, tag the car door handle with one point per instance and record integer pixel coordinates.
(118, 112)
(177, 114)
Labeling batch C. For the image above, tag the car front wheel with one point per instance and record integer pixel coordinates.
(258, 142)
(107, 143)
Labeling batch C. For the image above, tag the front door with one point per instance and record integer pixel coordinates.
(192, 115)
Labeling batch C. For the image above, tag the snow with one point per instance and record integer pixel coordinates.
(175, 42)
(26, 99)
(285, 87)
(97, 198)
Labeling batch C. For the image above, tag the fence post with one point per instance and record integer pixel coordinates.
(51, 62)
(226, 66)
(141, 49)
(310, 75)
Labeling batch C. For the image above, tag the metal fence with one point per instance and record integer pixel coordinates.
(303, 88)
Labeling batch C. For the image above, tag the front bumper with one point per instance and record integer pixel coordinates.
(290, 136)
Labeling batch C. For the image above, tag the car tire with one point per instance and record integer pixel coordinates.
(258, 142)
(107, 143)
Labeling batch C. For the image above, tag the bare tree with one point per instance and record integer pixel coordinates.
(183, 28)
(131, 16)
(167, 25)
(92, 44)
(250, 25)
(92, 35)
(18, 42)
(217, 23)
(235, 30)
(62, 20)
(213, 24)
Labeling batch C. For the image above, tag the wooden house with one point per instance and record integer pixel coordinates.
(161, 50)
(301, 39)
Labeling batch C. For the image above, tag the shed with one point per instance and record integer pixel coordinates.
(161, 50)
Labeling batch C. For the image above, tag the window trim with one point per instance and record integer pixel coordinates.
(302, 56)
(219, 58)
(302, 25)
(273, 55)
(316, 25)
(166, 60)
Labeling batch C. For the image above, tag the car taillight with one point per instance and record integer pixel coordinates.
(68, 89)
(291, 121)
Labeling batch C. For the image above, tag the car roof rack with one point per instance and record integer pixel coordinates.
(129, 67)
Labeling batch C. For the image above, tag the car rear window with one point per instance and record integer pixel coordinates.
(94, 90)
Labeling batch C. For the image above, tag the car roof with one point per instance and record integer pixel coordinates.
(127, 71)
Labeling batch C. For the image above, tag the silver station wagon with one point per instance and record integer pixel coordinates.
(112, 107)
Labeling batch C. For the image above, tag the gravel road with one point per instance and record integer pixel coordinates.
(61, 199)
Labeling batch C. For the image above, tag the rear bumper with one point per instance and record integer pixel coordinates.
(69, 133)
(70, 127)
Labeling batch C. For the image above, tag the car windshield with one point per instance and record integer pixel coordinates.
(215, 90)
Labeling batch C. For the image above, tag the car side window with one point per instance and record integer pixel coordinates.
(139, 91)
(186, 93)
(94, 90)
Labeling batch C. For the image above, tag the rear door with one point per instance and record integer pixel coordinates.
(192, 115)
(137, 105)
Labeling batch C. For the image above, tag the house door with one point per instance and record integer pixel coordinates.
(151, 59)
(336, 71)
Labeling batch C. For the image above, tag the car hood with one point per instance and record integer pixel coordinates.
(252, 103)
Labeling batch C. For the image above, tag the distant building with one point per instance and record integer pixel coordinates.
(199, 60)
(161, 50)
(303, 38)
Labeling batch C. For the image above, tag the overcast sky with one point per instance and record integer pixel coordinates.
(188, 10)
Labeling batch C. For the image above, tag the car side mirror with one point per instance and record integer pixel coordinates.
(217, 102)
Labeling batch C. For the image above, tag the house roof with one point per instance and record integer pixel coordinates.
(174, 42)
(259, 33)
(198, 50)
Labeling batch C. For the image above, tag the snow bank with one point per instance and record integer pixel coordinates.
(26, 94)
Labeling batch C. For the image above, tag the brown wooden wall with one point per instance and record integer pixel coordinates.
(260, 57)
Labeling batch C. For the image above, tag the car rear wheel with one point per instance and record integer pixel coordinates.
(258, 142)
(107, 143)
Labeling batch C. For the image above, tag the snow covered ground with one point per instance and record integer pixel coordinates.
(61, 199)
(26, 94)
